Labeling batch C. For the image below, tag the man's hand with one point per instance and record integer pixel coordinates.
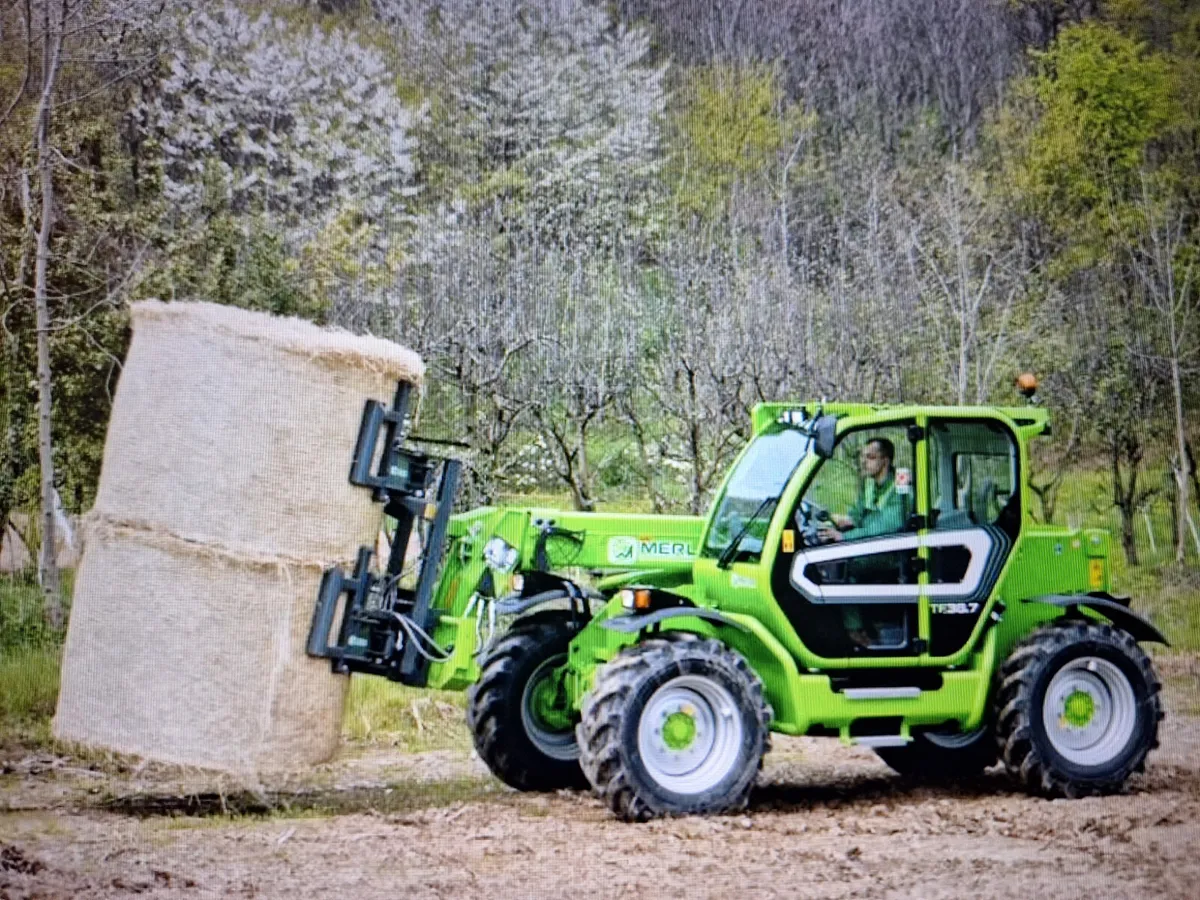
(859, 637)
(830, 535)
(843, 522)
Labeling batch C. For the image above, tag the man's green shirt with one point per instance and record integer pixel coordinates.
(879, 510)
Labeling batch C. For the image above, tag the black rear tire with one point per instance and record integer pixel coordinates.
(500, 715)
(674, 727)
(939, 756)
(1077, 710)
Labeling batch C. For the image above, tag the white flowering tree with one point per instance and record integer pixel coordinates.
(287, 128)
(550, 115)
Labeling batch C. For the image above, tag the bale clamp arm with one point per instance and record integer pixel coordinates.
(379, 616)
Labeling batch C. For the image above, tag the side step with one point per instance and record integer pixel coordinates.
(882, 693)
(881, 740)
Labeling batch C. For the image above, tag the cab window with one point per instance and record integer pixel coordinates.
(865, 490)
(973, 468)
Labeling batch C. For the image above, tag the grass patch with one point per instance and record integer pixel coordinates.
(28, 684)
(1170, 596)
(21, 612)
(30, 654)
(414, 719)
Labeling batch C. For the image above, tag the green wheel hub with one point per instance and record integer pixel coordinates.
(679, 730)
(1078, 709)
(546, 704)
(544, 715)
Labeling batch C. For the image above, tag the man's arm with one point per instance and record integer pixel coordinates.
(890, 518)
(854, 515)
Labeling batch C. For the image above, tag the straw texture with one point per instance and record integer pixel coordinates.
(238, 427)
(195, 658)
(223, 495)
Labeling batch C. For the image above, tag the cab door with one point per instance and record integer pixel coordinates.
(974, 519)
(848, 577)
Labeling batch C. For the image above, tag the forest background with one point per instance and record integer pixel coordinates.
(610, 229)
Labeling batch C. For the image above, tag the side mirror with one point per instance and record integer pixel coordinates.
(825, 436)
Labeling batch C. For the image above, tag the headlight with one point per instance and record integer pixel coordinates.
(499, 555)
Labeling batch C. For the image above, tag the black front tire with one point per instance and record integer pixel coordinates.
(938, 756)
(643, 764)
(1077, 710)
(500, 717)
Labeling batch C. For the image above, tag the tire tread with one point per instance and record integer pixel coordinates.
(1034, 767)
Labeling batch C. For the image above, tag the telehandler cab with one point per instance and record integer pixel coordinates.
(867, 572)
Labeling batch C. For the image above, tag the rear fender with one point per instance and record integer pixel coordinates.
(1110, 608)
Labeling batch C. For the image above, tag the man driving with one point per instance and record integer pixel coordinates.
(879, 509)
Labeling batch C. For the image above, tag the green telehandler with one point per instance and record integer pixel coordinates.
(866, 572)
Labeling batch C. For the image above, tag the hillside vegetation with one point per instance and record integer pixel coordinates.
(612, 228)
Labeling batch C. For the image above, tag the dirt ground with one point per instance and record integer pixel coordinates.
(826, 821)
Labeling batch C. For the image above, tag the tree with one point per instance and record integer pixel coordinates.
(968, 275)
(1102, 106)
(542, 148)
(52, 44)
(284, 145)
(58, 35)
(1108, 377)
(688, 406)
(583, 363)
(1163, 252)
(468, 317)
(1100, 100)
(870, 67)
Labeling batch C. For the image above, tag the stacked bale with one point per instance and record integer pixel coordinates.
(223, 496)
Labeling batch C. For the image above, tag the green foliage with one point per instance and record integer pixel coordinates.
(730, 126)
(1102, 100)
(234, 260)
(30, 652)
(545, 248)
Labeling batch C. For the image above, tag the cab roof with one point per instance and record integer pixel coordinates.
(1029, 421)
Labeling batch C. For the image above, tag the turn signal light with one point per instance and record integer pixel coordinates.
(635, 598)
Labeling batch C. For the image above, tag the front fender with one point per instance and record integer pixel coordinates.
(635, 622)
(659, 578)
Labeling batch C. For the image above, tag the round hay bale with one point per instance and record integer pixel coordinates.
(237, 428)
(191, 656)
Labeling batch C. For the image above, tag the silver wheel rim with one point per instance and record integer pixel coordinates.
(1090, 711)
(715, 744)
(560, 745)
(954, 740)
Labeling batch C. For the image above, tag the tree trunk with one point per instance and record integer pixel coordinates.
(1193, 472)
(1125, 498)
(1127, 543)
(581, 485)
(48, 562)
(1181, 470)
(1047, 495)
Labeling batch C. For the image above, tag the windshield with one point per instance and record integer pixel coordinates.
(760, 475)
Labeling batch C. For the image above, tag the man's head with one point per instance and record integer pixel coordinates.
(875, 458)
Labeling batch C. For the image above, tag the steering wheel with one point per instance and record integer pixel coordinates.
(811, 518)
